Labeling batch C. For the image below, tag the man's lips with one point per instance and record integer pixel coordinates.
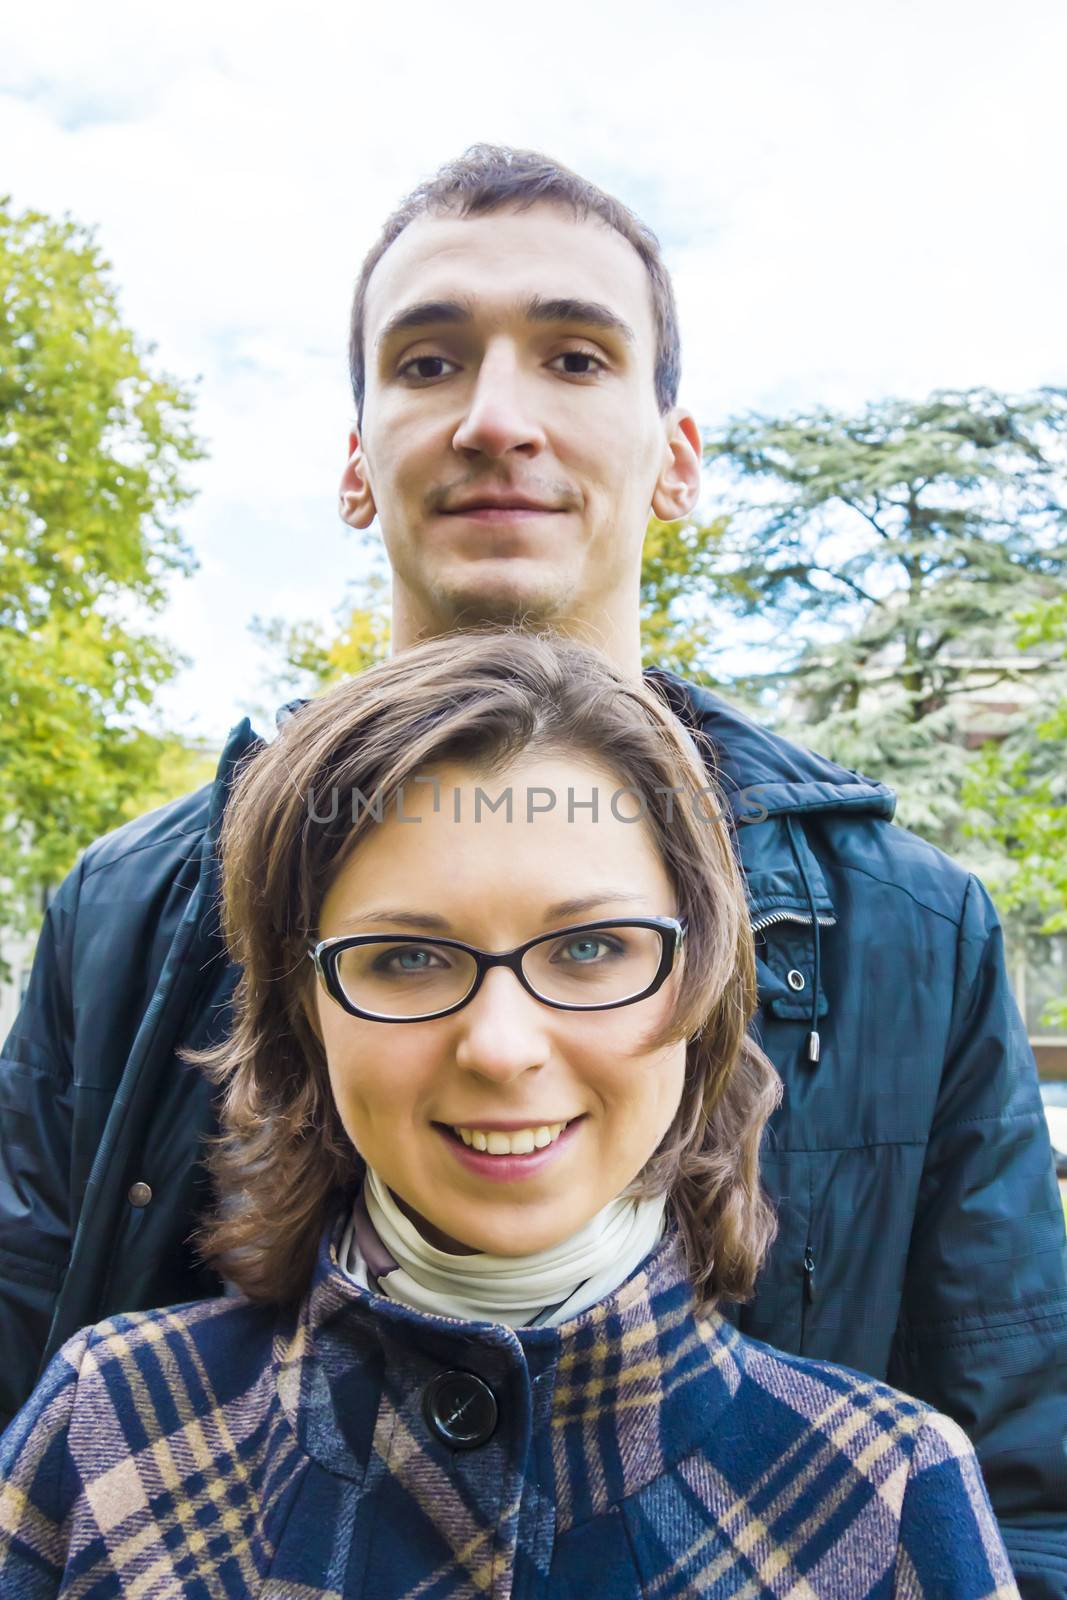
(499, 514)
(498, 500)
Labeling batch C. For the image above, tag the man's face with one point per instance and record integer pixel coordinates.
(511, 396)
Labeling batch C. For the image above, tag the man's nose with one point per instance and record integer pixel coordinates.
(499, 417)
(503, 1031)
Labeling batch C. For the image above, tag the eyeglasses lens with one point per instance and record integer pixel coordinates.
(405, 980)
(595, 967)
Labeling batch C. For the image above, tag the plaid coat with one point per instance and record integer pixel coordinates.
(227, 1449)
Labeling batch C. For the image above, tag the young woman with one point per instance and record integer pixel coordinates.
(488, 1166)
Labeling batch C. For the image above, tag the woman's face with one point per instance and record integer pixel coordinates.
(503, 1058)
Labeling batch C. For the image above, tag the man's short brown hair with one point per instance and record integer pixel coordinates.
(490, 177)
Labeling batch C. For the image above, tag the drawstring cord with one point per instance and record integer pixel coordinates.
(813, 1036)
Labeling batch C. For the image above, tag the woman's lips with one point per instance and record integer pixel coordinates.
(506, 1169)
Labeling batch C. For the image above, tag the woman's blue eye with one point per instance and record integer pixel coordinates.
(591, 946)
(414, 959)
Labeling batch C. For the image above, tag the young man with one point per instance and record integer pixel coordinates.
(515, 369)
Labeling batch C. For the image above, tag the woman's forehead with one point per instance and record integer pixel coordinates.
(545, 843)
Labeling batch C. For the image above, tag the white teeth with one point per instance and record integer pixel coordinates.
(519, 1143)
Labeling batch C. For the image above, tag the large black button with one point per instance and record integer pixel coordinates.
(461, 1409)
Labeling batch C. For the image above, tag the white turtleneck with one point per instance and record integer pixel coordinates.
(545, 1288)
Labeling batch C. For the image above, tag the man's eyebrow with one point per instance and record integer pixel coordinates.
(587, 313)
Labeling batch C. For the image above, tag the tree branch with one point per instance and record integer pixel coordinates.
(856, 588)
(875, 524)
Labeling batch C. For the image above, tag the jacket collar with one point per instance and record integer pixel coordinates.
(590, 1410)
(762, 773)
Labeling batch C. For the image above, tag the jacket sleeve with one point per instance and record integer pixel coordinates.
(37, 1484)
(983, 1328)
(949, 1546)
(36, 1114)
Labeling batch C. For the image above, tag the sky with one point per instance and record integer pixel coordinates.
(854, 200)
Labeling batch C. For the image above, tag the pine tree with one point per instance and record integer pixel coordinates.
(890, 550)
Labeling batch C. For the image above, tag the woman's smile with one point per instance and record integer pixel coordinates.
(506, 1157)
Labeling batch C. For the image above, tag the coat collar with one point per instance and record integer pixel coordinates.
(590, 1410)
(759, 771)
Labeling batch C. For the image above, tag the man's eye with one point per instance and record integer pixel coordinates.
(582, 355)
(417, 367)
(423, 361)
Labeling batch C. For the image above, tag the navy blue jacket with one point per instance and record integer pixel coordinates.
(921, 1237)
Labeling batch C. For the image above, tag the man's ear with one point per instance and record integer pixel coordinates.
(357, 506)
(678, 485)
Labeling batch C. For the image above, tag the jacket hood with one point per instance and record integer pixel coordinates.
(761, 772)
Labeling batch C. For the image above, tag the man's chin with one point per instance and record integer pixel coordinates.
(504, 605)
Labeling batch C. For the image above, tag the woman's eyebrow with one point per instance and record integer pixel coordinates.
(406, 919)
(588, 902)
(421, 920)
(584, 313)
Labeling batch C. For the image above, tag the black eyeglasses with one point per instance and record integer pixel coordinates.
(406, 978)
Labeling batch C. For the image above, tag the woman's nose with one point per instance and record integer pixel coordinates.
(503, 1031)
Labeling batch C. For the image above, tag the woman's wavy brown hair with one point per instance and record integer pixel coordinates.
(483, 698)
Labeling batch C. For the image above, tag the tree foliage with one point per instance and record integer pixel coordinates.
(315, 655)
(1018, 791)
(680, 566)
(891, 549)
(93, 451)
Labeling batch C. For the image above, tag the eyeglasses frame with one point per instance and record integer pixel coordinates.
(325, 956)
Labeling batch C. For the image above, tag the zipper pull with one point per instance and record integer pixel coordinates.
(809, 1275)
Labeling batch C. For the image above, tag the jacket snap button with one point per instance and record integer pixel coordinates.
(139, 1195)
(460, 1409)
(794, 979)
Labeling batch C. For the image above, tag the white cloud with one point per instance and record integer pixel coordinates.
(853, 200)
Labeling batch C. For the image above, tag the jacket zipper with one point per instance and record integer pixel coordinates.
(790, 916)
(809, 1291)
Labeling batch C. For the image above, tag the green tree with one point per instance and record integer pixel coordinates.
(1017, 791)
(93, 447)
(681, 566)
(316, 654)
(889, 550)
